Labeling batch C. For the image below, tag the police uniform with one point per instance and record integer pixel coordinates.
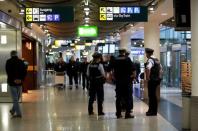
(96, 76)
(152, 85)
(123, 70)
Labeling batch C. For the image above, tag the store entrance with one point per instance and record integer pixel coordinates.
(170, 61)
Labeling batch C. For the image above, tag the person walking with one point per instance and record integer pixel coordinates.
(123, 69)
(96, 75)
(84, 66)
(16, 72)
(72, 72)
(153, 77)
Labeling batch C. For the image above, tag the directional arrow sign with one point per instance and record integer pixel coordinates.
(28, 11)
(28, 17)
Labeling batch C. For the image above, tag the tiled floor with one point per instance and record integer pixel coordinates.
(53, 110)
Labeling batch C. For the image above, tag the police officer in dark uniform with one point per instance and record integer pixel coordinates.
(96, 75)
(153, 78)
(123, 73)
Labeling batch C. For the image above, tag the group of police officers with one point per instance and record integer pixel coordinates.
(124, 73)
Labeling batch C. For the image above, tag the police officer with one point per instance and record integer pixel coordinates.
(153, 81)
(96, 75)
(123, 73)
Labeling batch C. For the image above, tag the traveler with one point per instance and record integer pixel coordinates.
(72, 72)
(153, 77)
(137, 67)
(78, 64)
(85, 82)
(96, 75)
(60, 66)
(124, 74)
(16, 72)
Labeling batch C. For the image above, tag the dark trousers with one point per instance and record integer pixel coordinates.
(96, 91)
(152, 87)
(85, 82)
(124, 93)
(71, 77)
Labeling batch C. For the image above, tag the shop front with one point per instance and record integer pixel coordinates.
(10, 39)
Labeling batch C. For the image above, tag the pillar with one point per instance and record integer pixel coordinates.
(152, 40)
(194, 61)
(152, 37)
(125, 40)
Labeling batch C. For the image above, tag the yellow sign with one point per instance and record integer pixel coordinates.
(103, 10)
(28, 11)
(28, 17)
(103, 17)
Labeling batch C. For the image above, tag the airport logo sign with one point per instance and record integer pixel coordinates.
(49, 14)
(124, 14)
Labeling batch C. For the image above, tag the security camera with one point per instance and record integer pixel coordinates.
(9, 11)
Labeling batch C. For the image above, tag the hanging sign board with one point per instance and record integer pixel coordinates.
(124, 14)
(49, 14)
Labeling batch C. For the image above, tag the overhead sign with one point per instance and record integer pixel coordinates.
(87, 31)
(124, 14)
(49, 14)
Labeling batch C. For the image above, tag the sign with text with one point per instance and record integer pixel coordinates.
(87, 31)
(49, 14)
(124, 14)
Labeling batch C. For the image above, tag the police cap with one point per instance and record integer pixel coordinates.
(96, 55)
(149, 50)
(122, 50)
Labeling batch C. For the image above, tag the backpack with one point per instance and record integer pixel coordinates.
(156, 70)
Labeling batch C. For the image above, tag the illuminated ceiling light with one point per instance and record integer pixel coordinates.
(88, 44)
(41, 26)
(22, 12)
(72, 44)
(164, 14)
(86, 9)
(2, 0)
(87, 18)
(131, 25)
(86, 2)
(135, 43)
(54, 47)
(151, 8)
(86, 21)
(86, 13)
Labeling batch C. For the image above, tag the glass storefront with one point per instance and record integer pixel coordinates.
(10, 39)
(175, 48)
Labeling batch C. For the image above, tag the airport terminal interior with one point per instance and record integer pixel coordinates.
(46, 33)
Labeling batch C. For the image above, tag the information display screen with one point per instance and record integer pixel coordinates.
(49, 14)
(105, 49)
(111, 48)
(124, 14)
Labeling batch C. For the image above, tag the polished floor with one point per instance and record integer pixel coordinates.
(50, 109)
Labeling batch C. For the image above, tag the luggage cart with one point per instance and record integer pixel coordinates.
(47, 78)
(60, 80)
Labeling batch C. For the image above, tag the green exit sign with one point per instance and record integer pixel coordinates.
(87, 31)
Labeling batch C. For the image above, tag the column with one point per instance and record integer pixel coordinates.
(152, 40)
(152, 37)
(194, 52)
(125, 40)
